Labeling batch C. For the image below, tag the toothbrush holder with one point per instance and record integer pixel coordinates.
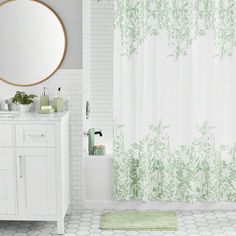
(58, 104)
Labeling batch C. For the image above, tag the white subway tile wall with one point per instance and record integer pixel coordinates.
(101, 69)
(86, 65)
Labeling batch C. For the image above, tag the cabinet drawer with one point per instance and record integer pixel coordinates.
(6, 137)
(35, 135)
(6, 158)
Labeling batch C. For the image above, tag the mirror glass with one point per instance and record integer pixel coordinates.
(32, 42)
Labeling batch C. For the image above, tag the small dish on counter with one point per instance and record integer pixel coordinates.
(46, 110)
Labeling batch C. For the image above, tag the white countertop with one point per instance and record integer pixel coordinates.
(32, 116)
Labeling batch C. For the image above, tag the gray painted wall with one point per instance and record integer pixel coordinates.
(70, 11)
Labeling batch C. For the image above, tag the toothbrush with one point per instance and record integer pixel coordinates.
(59, 92)
(44, 91)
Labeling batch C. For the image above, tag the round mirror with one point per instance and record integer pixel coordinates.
(32, 42)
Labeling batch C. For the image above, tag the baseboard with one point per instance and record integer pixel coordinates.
(100, 205)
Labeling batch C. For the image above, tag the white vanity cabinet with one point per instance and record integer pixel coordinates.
(34, 168)
(36, 181)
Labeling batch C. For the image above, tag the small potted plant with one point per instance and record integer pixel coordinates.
(24, 100)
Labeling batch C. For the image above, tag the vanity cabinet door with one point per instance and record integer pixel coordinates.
(36, 181)
(6, 137)
(7, 192)
(6, 158)
(7, 182)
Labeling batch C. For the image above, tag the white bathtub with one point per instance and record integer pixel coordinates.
(98, 178)
(99, 187)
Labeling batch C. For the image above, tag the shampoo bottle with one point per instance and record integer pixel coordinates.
(91, 141)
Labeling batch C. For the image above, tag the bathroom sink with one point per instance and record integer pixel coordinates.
(7, 114)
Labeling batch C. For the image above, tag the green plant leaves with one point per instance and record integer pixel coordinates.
(23, 98)
(182, 20)
(151, 169)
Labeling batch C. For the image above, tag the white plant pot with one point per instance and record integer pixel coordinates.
(25, 108)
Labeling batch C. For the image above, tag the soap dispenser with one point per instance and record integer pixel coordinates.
(44, 99)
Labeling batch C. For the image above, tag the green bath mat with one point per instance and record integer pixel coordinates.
(139, 221)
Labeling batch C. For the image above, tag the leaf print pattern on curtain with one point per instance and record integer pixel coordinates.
(151, 170)
(183, 21)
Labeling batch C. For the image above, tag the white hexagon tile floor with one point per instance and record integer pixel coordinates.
(191, 223)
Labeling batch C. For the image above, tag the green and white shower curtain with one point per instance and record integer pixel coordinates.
(175, 100)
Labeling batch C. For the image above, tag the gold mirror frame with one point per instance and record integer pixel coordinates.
(65, 45)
